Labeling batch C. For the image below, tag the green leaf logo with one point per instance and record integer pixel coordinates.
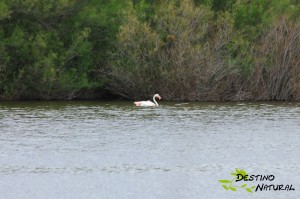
(228, 184)
(225, 181)
(225, 187)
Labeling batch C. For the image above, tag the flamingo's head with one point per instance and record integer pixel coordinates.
(157, 96)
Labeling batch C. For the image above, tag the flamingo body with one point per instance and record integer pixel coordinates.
(148, 103)
(144, 103)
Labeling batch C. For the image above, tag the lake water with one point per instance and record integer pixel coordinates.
(113, 150)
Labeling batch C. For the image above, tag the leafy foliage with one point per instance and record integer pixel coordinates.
(50, 49)
(186, 50)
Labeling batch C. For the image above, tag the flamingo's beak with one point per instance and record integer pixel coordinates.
(159, 97)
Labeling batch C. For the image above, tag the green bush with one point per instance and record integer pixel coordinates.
(185, 50)
(52, 49)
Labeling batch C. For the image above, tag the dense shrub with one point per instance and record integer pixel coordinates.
(277, 71)
(185, 50)
(51, 49)
(191, 53)
(177, 56)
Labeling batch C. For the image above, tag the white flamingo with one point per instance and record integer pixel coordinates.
(148, 103)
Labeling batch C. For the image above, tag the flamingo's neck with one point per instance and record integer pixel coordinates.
(155, 101)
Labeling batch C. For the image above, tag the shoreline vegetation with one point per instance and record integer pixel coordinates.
(187, 50)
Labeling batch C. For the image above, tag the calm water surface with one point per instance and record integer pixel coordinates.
(90, 150)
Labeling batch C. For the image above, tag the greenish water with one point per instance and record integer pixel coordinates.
(91, 149)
